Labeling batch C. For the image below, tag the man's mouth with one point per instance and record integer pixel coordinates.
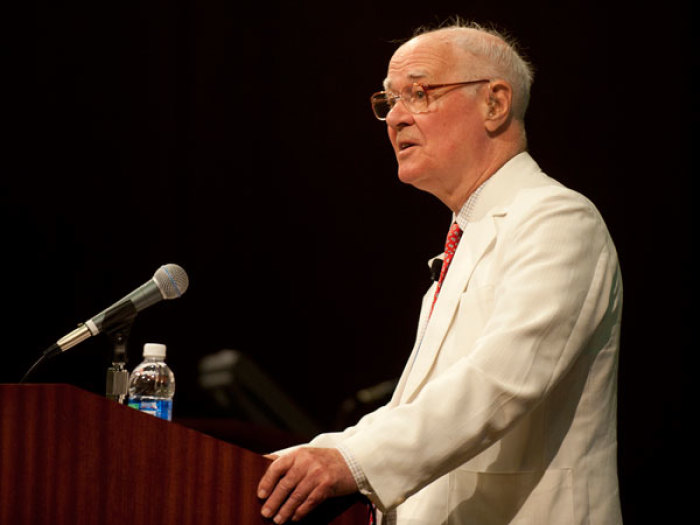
(406, 145)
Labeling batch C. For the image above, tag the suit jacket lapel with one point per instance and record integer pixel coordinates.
(475, 241)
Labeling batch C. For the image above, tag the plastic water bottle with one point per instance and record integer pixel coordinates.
(152, 383)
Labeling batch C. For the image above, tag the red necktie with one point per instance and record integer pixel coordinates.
(453, 237)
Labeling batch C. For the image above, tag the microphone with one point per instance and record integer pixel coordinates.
(435, 269)
(169, 282)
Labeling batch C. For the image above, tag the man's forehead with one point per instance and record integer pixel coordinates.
(422, 59)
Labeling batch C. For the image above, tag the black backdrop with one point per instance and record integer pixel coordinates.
(237, 141)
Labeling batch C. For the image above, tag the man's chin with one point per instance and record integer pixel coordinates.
(410, 176)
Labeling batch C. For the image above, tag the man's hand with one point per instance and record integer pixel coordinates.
(297, 482)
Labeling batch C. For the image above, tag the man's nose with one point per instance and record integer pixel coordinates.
(399, 116)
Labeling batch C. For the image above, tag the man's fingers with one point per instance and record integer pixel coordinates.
(286, 497)
(277, 469)
(298, 499)
(314, 499)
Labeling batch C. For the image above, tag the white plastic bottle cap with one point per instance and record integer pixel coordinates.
(154, 350)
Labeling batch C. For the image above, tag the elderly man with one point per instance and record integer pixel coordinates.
(506, 410)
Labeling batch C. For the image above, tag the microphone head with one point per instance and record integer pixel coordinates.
(171, 280)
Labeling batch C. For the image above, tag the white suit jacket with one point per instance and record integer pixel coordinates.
(506, 410)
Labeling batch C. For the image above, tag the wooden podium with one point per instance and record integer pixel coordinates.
(71, 457)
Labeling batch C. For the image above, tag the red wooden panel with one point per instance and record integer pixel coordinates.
(71, 457)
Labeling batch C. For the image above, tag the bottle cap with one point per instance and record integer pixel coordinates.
(154, 350)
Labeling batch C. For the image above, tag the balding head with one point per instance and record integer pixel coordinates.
(489, 54)
(454, 118)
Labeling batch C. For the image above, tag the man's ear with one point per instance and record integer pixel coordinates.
(498, 112)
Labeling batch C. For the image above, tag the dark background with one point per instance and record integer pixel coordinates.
(238, 142)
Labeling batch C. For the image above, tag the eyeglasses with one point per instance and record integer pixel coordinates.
(415, 97)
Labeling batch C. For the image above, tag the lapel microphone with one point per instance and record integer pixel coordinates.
(435, 269)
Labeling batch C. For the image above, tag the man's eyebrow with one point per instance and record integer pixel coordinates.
(414, 76)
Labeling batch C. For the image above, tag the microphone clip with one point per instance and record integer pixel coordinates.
(117, 325)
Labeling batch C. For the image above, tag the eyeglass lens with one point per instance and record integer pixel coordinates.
(415, 98)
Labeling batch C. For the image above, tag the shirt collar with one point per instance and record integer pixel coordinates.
(464, 216)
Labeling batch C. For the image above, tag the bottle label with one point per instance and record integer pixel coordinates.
(162, 408)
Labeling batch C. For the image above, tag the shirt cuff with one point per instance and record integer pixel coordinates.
(363, 485)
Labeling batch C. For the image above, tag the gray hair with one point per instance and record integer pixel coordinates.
(502, 58)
